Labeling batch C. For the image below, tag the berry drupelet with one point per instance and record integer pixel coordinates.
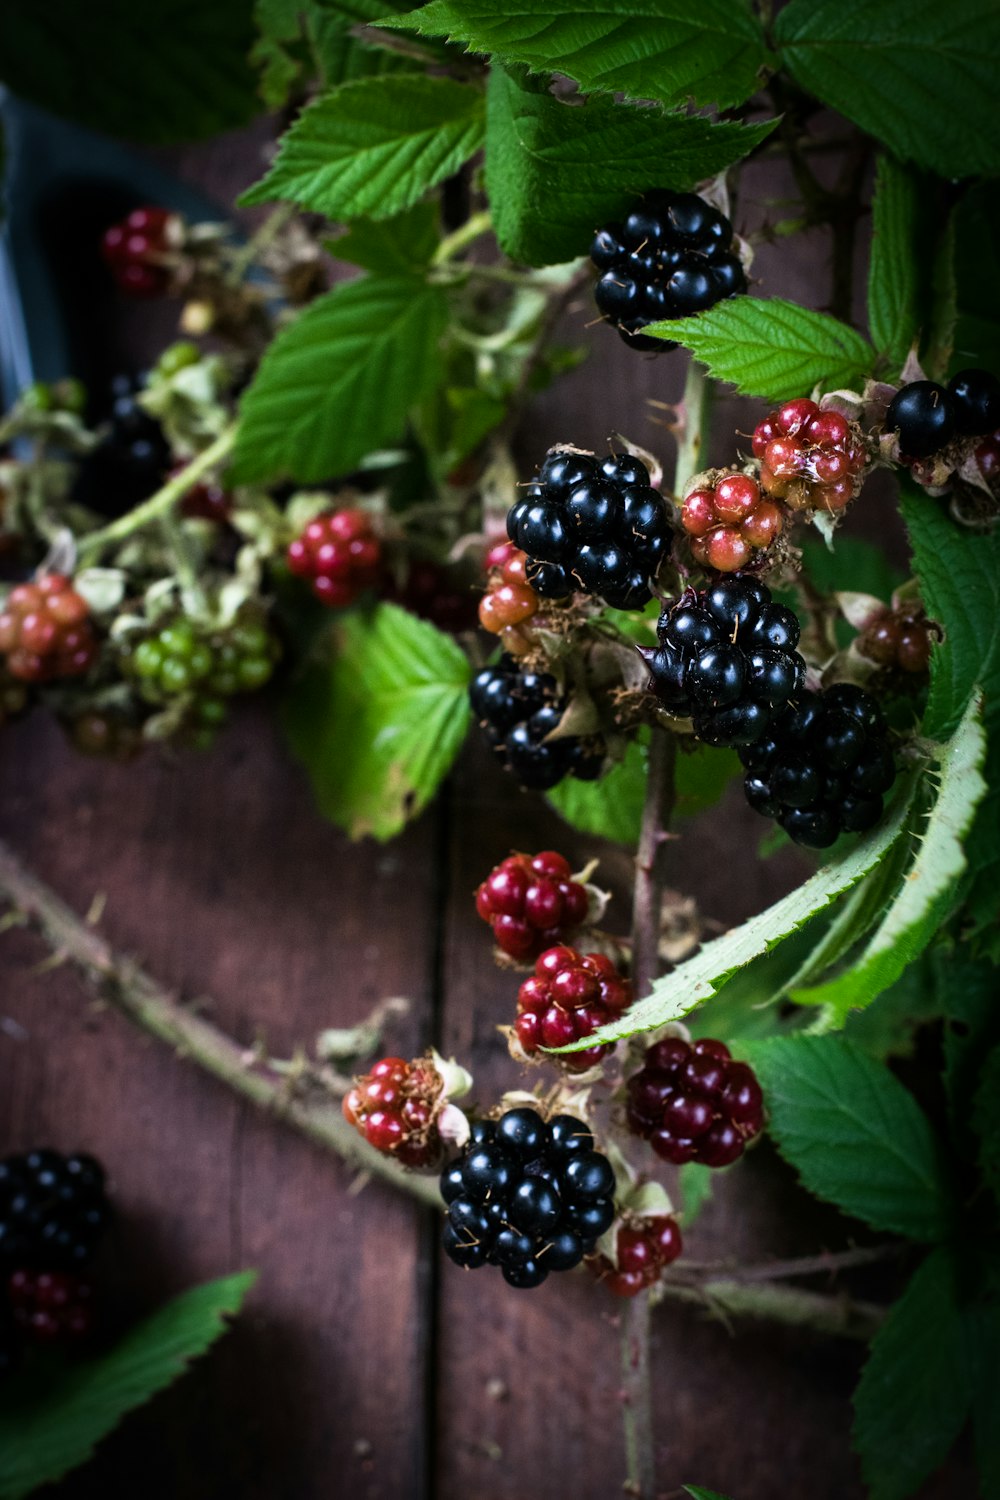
(517, 711)
(46, 632)
(672, 256)
(594, 525)
(729, 522)
(644, 1246)
(531, 902)
(395, 1108)
(568, 997)
(810, 458)
(528, 1195)
(726, 659)
(53, 1211)
(341, 556)
(140, 250)
(823, 767)
(692, 1102)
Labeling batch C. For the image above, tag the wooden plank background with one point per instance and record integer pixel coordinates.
(364, 1366)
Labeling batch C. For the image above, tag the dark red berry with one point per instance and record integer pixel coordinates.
(340, 554)
(694, 1103)
(531, 902)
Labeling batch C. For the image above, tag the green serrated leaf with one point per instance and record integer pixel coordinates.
(398, 246)
(555, 171)
(160, 72)
(645, 49)
(44, 1438)
(914, 1394)
(887, 1027)
(297, 38)
(915, 74)
(375, 146)
(771, 348)
(691, 983)
(610, 808)
(894, 268)
(379, 727)
(340, 381)
(854, 1134)
(929, 887)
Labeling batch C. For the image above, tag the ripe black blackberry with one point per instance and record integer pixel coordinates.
(53, 1210)
(130, 461)
(528, 1196)
(823, 767)
(592, 524)
(727, 660)
(672, 256)
(517, 710)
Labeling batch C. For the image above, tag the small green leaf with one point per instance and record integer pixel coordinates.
(44, 1438)
(610, 808)
(555, 171)
(854, 1134)
(398, 246)
(340, 381)
(894, 268)
(379, 727)
(645, 49)
(915, 74)
(914, 1394)
(771, 348)
(375, 146)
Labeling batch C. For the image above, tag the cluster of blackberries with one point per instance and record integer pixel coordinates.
(527, 1195)
(671, 257)
(823, 767)
(727, 659)
(567, 998)
(692, 1102)
(594, 525)
(130, 461)
(531, 902)
(927, 416)
(517, 711)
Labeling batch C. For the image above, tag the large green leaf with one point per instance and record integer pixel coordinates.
(894, 268)
(772, 348)
(160, 71)
(378, 728)
(46, 1433)
(393, 247)
(854, 1134)
(916, 74)
(341, 380)
(915, 1391)
(556, 171)
(647, 49)
(691, 983)
(375, 146)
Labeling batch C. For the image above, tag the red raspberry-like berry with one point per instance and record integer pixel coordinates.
(510, 601)
(138, 251)
(693, 1102)
(395, 1108)
(810, 458)
(341, 555)
(643, 1247)
(205, 501)
(729, 522)
(46, 631)
(51, 1306)
(899, 638)
(569, 995)
(532, 903)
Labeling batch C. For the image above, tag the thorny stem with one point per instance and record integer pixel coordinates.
(162, 502)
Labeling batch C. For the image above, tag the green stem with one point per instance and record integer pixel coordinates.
(453, 244)
(839, 1316)
(162, 502)
(259, 240)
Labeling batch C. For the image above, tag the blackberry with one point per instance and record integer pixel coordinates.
(692, 1102)
(531, 902)
(568, 997)
(729, 522)
(644, 1246)
(823, 767)
(899, 638)
(923, 415)
(671, 257)
(132, 459)
(395, 1107)
(518, 710)
(46, 631)
(975, 402)
(810, 458)
(727, 660)
(528, 1196)
(51, 1306)
(591, 524)
(53, 1211)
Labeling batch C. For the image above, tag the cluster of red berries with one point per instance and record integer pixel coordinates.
(692, 1102)
(899, 639)
(644, 1246)
(45, 631)
(395, 1108)
(509, 601)
(568, 997)
(51, 1306)
(809, 458)
(532, 903)
(729, 521)
(139, 251)
(340, 554)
